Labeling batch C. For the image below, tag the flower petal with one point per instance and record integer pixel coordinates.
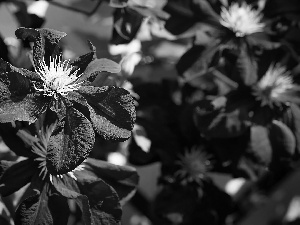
(97, 66)
(6, 67)
(41, 208)
(70, 145)
(15, 176)
(45, 42)
(83, 61)
(29, 109)
(112, 111)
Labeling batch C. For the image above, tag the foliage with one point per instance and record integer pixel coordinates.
(232, 110)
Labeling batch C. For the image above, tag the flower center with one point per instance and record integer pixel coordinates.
(58, 77)
(241, 19)
(273, 85)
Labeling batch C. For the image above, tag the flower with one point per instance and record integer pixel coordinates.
(242, 19)
(194, 165)
(59, 78)
(96, 186)
(276, 87)
(69, 89)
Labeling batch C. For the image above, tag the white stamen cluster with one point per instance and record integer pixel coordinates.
(242, 19)
(58, 77)
(273, 85)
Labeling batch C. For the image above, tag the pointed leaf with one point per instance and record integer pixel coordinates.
(16, 176)
(103, 200)
(18, 140)
(70, 145)
(43, 209)
(283, 143)
(123, 179)
(68, 188)
(292, 119)
(112, 111)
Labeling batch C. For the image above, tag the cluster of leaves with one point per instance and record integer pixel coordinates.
(50, 118)
(234, 108)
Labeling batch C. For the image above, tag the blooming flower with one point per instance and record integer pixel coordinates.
(242, 19)
(194, 165)
(276, 87)
(69, 90)
(96, 186)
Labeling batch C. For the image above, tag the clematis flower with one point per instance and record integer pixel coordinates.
(242, 19)
(96, 186)
(194, 165)
(276, 87)
(66, 88)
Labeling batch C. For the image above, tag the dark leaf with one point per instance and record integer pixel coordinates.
(283, 143)
(17, 139)
(69, 189)
(103, 200)
(127, 22)
(220, 122)
(16, 176)
(292, 119)
(123, 179)
(68, 147)
(112, 111)
(43, 209)
(28, 109)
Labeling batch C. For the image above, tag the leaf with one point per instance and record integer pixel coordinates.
(246, 69)
(260, 149)
(103, 200)
(18, 140)
(68, 147)
(28, 109)
(43, 209)
(97, 66)
(283, 143)
(112, 111)
(292, 119)
(15, 176)
(45, 42)
(69, 189)
(127, 22)
(123, 179)
(222, 122)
